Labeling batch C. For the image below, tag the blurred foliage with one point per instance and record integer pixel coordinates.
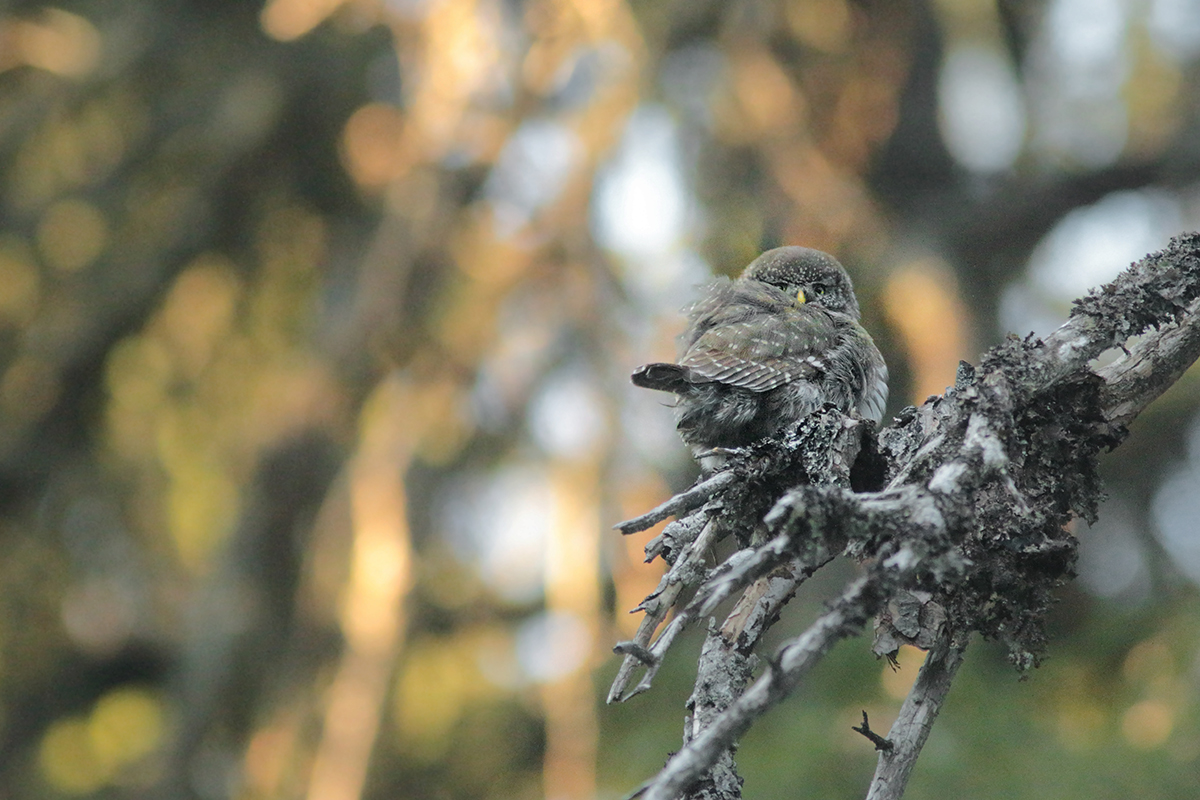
(316, 318)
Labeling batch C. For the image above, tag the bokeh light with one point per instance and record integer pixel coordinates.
(80, 755)
(982, 109)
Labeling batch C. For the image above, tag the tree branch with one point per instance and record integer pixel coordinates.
(678, 505)
(912, 726)
(978, 485)
(1148, 368)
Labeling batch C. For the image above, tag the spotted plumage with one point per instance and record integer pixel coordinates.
(767, 349)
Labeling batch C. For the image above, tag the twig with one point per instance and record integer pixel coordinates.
(687, 571)
(880, 742)
(681, 503)
(738, 572)
(635, 652)
(761, 603)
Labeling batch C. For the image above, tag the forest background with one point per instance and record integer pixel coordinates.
(316, 320)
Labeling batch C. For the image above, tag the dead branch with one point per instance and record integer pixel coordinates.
(963, 531)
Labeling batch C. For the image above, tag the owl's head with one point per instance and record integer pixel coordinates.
(810, 276)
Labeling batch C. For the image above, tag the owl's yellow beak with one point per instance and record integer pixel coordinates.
(800, 298)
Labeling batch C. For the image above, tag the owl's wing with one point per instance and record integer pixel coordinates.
(875, 390)
(760, 353)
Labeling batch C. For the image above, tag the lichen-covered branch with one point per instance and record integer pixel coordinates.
(957, 512)
(822, 450)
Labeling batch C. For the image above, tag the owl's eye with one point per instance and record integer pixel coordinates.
(819, 289)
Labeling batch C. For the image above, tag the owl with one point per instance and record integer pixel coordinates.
(765, 350)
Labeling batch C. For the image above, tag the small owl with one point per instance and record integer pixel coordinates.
(765, 350)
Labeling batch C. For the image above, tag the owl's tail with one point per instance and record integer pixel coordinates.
(663, 377)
